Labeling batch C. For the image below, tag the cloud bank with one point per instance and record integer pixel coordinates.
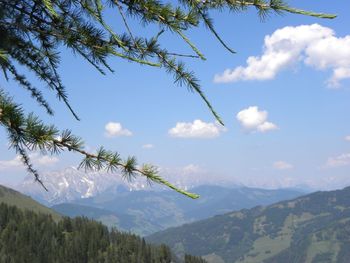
(313, 45)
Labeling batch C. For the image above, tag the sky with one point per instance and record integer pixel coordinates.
(284, 98)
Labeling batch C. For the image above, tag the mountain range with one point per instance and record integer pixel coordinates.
(70, 184)
(134, 206)
(314, 228)
(145, 212)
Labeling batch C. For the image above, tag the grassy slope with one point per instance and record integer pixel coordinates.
(12, 197)
(307, 229)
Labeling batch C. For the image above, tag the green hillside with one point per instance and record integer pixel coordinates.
(311, 229)
(12, 197)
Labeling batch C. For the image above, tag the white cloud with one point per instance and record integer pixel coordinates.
(267, 126)
(347, 138)
(114, 129)
(46, 160)
(11, 164)
(252, 119)
(37, 159)
(148, 146)
(341, 160)
(196, 129)
(282, 165)
(314, 45)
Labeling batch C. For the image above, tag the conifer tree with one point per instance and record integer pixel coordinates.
(32, 32)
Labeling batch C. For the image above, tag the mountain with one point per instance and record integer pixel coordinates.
(145, 212)
(314, 228)
(70, 184)
(11, 197)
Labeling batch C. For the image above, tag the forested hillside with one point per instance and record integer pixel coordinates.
(26, 236)
(311, 229)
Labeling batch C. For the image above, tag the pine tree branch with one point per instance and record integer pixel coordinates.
(29, 132)
(108, 160)
(183, 76)
(35, 93)
(194, 48)
(33, 31)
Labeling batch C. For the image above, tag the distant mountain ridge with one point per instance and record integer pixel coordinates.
(145, 212)
(310, 229)
(131, 206)
(70, 184)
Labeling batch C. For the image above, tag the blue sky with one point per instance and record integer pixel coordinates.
(285, 112)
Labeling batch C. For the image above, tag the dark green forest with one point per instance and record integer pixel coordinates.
(26, 236)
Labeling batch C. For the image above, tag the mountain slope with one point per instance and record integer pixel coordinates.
(108, 218)
(313, 228)
(14, 198)
(152, 211)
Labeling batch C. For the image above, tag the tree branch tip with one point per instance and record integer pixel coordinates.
(193, 196)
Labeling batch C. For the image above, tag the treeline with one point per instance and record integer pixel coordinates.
(30, 237)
